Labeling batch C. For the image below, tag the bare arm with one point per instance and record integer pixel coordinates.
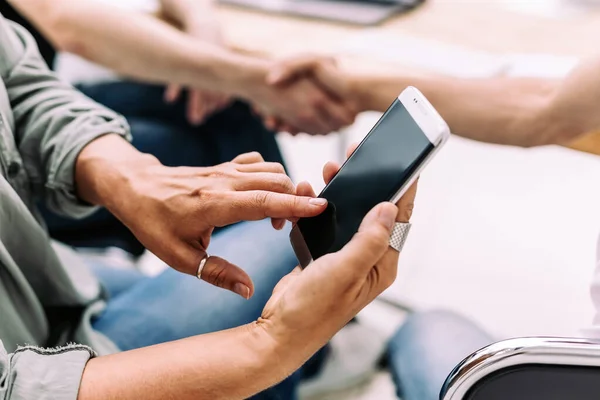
(516, 111)
(505, 111)
(232, 364)
(141, 46)
(144, 47)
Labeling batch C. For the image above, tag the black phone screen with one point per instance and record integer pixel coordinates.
(374, 173)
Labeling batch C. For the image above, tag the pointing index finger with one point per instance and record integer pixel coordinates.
(257, 205)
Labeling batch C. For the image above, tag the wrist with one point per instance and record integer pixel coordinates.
(550, 122)
(244, 76)
(223, 70)
(287, 349)
(106, 169)
(359, 90)
(275, 356)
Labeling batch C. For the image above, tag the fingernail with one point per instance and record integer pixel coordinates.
(281, 224)
(242, 290)
(317, 201)
(387, 216)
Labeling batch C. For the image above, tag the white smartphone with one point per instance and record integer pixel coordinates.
(382, 168)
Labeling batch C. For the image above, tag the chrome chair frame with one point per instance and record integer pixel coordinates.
(518, 352)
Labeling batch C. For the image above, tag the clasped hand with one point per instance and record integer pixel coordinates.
(330, 104)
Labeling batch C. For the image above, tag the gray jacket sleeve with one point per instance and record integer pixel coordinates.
(53, 121)
(33, 373)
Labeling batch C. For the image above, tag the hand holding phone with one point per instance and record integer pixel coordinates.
(382, 168)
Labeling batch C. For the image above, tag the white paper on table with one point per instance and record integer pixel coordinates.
(428, 54)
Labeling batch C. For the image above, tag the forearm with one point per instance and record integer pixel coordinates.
(233, 364)
(140, 46)
(496, 110)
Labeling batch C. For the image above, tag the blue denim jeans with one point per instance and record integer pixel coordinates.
(143, 311)
(427, 347)
(161, 129)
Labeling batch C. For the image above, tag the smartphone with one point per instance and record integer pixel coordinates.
(382, 168)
